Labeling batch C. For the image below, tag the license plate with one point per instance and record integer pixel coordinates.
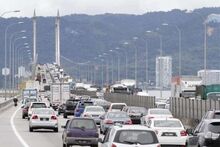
(168, 134)
(44, 119)
(83, 141)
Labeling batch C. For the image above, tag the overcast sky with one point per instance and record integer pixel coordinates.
(49, 7)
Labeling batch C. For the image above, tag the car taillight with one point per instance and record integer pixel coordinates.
(150, 117)
(53, 117)
(86, 115)
(183, 133)
(129, 122)
(158, 146)
(35, 117)
(108, 122)
(113, 145)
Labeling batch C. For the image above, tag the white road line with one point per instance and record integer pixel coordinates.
(15, 130)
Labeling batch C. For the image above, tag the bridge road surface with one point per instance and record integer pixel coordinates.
(41, 138)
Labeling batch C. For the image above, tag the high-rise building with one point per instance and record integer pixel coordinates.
(212, 76)
(163, 72)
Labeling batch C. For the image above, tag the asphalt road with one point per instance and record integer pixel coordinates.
(41, 138)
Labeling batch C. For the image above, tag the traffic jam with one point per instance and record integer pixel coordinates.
(96, 122)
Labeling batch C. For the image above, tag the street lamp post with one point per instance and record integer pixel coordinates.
(5, 76)
(180, 44)
(135, 73)
(118, 62)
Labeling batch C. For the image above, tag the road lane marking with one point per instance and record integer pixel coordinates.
(15, 130)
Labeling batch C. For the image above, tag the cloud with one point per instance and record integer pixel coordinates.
(49, 7)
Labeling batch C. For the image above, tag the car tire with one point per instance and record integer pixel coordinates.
(55, 130)
(94, 145)
(28, 118)
(30, 129)
(64, 115)
(23, 117)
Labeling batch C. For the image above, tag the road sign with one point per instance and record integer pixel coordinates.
(5, 71)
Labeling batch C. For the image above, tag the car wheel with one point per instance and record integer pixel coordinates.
(23, 117)
(30, 129)
(55, 130)
(94, 145)
(64, 115)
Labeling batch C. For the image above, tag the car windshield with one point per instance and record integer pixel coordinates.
(118, 106)
(138, 110)
(167, 123)
(83, 123)
(160, 111)
(95, 109)
(117, 115)
(39, 105)
(41, 111)
(135, 137)
(214, 127)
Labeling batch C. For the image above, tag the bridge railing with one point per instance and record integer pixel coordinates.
(192, 108)
(131, 100)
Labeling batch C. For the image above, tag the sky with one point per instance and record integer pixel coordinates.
(93, 7)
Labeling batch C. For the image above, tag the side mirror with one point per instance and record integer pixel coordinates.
(63, 127)
(101, 117)
(22, 106)
(142, 114)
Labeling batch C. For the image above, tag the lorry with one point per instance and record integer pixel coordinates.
(185, 86)
(30, 93)
(206, 92)
(60, 92)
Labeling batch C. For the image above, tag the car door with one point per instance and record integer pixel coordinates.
(65, 130)
(105, 142)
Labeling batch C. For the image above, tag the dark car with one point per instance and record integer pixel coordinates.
(212, 114)
(60, 108)
(69, 107)
(81, 106)
(80, 131)
(25, 110)
(135, 113)
(207, 134)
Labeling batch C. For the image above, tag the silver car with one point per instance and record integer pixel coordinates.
(93, 112)
(110, 118)
(43, 118)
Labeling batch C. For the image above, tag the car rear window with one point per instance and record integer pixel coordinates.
(39, 105)
(117, 115)
(40, 111)
(162, 112)
(214, 127)
(118, 107)
(95, 109)
(167, 123)
(217, 115)
(83, 123)
(138, 110)
(135, 137)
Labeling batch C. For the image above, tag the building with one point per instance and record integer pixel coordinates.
(212, 76)
(163, 72)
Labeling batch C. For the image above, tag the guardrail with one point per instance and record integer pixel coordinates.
(7, 104)
(192, 108)
(84, 92)
(131, 100)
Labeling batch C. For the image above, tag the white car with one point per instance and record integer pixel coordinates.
(116, 107)
(170, 131)
(156, 113)
(130, 136)
(43, 118)
(94, 112)
(35, 105)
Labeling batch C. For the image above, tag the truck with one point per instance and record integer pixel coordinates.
(60, 92)
(206, 92)
(185, 86)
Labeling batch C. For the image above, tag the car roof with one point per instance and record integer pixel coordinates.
(131, 127)
(158, 109)
(162, 118)
(82, 118)
(211, 120)
(94, 106)
(118, 104)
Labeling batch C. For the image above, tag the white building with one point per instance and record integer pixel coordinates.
(212, 76)
(163, 71)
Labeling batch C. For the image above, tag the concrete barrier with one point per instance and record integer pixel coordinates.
(7, 104)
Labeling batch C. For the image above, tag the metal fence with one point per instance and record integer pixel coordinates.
(131, 100)
(191, 108)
